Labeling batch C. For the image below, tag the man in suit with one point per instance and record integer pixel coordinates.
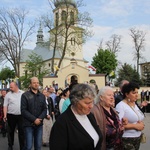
(142, 96)
(147, 94)
(119, 96)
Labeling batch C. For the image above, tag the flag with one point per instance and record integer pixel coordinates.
(93, 68)
(112, 73)
(56, 68)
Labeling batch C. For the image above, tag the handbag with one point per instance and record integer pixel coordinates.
(143, 138)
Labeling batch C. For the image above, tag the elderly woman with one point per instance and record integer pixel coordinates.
(127, 108)
(76, 128)
(108, 119)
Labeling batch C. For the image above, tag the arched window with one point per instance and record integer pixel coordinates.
(72, 41)
(72, 18)
(56, 19)
(63, 16)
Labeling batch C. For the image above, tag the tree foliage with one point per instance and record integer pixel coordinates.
(104, 61)
(7, 75)
(127, 72)
(34, 67)
(14, 31)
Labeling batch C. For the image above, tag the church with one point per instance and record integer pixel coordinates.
(73, 65)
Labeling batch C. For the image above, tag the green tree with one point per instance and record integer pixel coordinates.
(104, 61)
(34, 67)
(7, 75)
(127, 72)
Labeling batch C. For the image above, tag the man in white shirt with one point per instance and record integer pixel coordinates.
(12, 114)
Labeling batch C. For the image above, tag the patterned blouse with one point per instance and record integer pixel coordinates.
(1, 111)
(114, 130)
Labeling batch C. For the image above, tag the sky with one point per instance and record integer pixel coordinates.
(109, 17)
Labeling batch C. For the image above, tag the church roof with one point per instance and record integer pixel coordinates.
(24, 54)
(44, 52)
(61, 2)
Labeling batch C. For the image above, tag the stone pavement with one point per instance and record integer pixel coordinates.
(146, 146)
(4, 146)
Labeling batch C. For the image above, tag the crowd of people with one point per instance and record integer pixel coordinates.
(78, 117)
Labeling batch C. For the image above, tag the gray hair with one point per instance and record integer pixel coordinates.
(122, 83)
(81, 91)
(102, 92)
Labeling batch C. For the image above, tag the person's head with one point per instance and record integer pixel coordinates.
(106, 96)
(51, 90)
(130, 91)
(13, 87)
(3, 93)
(58, 92)
(71, 86)
(122, 83)
(44, 91)
(48, 93)
(34, 83)
(82, 97)
(66, 93)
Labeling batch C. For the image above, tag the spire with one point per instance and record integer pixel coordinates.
(40, 35)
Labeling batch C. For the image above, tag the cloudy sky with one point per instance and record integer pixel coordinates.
(109, 17)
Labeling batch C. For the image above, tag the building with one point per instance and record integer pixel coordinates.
(145, 73)
(73, 64)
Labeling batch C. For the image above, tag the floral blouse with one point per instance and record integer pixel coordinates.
(114, 130)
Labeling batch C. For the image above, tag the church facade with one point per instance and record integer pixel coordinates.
(73, 63)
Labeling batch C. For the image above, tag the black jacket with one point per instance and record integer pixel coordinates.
(50, 106)
(68, 134)
(118, 98)
(33, 106)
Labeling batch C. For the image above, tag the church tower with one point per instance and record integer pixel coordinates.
(65, 11)
(66, 25)
(40, 36)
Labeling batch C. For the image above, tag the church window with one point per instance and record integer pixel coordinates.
(72, 41)
(72, 18)
(56, 21)
(63, 16)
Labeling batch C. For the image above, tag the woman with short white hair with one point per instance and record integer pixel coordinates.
(108, 120)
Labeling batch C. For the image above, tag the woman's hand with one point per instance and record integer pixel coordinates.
(144, 103)
(124, 121)
(139, 126)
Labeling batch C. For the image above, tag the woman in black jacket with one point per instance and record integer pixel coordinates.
(76, 128)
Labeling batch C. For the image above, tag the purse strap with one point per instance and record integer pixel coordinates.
(134, 111)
